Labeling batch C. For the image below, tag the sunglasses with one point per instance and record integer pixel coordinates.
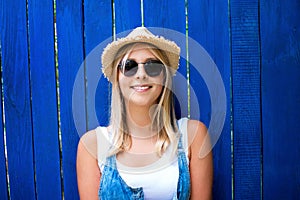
(152, 67)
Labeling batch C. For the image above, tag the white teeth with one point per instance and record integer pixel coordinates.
(141, 87)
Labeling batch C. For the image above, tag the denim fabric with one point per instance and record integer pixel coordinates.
(112, 186)
(183, 186)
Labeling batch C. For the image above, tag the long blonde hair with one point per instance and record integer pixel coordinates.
(163, 118)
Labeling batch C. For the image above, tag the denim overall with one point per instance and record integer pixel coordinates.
(112, 186)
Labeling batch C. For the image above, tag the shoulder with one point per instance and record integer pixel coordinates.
(198, 137)
(196, 127)
(88, 136)
(96, 141)
(88, 173)
(88, 144)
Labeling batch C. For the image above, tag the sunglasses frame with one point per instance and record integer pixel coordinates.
(147, 67)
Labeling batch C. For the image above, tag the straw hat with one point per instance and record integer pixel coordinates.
(140, 34)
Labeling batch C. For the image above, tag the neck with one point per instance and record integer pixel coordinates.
(139, 121)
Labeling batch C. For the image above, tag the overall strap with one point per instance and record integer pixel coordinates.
(183, 186)
(111, 161)
(181, 130)
(180, 146)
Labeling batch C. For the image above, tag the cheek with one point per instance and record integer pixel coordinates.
(160, 90)
(120, 82)
(160, 81)
(159, 85)
(124, 84)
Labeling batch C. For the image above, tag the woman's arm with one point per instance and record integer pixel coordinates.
(88, 173)
(201, 168)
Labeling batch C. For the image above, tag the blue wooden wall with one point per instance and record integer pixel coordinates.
(255, 46)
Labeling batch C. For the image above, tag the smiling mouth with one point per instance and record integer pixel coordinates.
(141, 88)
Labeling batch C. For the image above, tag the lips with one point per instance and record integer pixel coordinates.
(141, 88)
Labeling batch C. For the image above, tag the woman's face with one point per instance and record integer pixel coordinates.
(141, 89)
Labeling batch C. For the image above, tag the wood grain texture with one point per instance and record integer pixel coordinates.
(170, 15)
(70, 56)
(280, 47)
(208, 24)
(3, 171)
(128, 15)
(44, 100)
(255, 45)
(245, 49)
(3, 175)
(16, 88)
(98, 26)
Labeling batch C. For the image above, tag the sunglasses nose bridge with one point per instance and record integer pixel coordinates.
(140, 73)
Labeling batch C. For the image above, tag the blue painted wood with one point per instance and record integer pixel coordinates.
(44, 100)
(280, 34)
(16, 90)
(3, 172)
(208, 24)
(70, 56)
(3, 175)
(170, 15)
(245, 49)
(98, 32)
(128, 15)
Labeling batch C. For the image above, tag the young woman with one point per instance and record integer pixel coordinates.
(144, 153)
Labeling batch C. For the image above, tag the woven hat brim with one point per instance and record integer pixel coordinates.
(170, 48)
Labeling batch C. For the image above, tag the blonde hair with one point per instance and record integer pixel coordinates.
(163, 115)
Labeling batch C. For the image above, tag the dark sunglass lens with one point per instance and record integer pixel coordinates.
(130, 68)
(153, 68)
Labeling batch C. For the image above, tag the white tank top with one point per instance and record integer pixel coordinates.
(159, 179)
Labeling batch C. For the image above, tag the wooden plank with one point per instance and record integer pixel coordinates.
(70, 56)
(44, 104)
(3, 172)
(3, 175)
(127, 14)
(98, 32)
(280, 33)
(169, 18)
(245, 48)
(16, 90)
(208, 25)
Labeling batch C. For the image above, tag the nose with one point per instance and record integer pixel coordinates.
(141, 73)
